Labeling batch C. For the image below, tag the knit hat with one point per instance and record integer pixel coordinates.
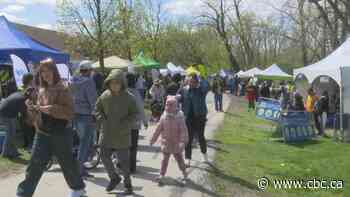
(171, 104)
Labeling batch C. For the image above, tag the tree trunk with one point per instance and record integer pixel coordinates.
(101, 59)
(303, 32)
(232, 58)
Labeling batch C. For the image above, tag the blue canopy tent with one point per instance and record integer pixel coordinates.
(13, 41)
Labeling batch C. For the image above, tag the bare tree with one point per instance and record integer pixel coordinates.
(93, 18)
(153, 24)
(217, 17)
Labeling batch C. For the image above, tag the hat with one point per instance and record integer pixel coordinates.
(85, 65)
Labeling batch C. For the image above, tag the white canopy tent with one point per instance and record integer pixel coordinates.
(239, 73)
(274, 72)
(181, 70)
(329, 66)
(250, 73)
(336, 66)
(173, 69)
(114, 62)
(164, 72)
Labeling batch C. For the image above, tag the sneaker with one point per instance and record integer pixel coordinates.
(183, 181)
(77, 193)
(128, 190)
(113, 184)
(160, 180)
(205, 158)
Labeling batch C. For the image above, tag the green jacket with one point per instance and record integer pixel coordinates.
(118, 114)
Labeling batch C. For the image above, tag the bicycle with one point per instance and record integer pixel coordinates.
(93, 160)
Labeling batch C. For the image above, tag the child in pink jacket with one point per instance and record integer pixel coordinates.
(174, 136)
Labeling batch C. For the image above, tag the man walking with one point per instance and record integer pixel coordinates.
(218, 90)
(84, 96)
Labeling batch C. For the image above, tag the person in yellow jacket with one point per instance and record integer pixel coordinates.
(311, 100)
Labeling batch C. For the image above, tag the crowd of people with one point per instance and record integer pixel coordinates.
(320, 107)
(107, 110)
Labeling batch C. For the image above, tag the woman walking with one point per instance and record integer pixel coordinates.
(116, 109)
(173, 131)
(51, 114)
(194, 106)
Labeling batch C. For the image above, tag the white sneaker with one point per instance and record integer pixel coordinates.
(205, 158)
(183, 181)
(77, 193)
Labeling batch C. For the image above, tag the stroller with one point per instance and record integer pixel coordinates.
(157, 108)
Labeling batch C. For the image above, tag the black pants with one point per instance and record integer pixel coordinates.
(28, 134)
(44, 147)
(196, 126)
(251, 104)
(123, 157)
(318, 123)
(133, 149)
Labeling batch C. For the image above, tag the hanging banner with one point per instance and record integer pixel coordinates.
(268, 109)
(19, 69)
(64, 72)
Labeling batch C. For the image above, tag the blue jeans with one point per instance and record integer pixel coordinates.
(142, 93)
(85, 129)
(232, 89)
(218, 102)
(9, 148)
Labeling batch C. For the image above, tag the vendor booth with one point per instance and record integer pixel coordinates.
(274, 72)
(115, 62)
(13, 41)
(250, 73)
(19, 53)
(146, 63)
(332, 74)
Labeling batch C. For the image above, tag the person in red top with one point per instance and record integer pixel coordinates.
(251, 95)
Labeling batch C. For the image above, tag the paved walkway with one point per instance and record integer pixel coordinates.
(52, 183)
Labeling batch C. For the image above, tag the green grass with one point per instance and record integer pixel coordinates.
(247, 151)
(8, 167)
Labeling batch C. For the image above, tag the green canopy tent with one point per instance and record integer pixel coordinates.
(146, 63)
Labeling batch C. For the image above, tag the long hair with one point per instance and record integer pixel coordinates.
(51, 65)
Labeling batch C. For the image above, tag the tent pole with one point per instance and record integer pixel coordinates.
(341, 110)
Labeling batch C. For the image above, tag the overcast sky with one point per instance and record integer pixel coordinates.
(42, 13)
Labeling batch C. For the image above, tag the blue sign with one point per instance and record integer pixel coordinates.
(268, 109)
(297, 126)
